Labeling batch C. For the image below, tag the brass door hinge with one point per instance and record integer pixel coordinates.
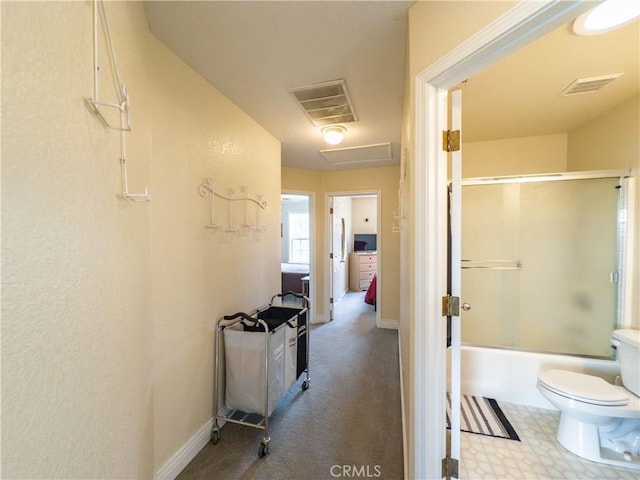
(331, 211)
(450, 306)
(330, 299)
(450, 467)
(451, 140)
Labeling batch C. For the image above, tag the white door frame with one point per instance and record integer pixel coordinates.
(526, 22)
(328, 239)
(312, 247)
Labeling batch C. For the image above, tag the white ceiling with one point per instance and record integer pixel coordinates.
(254, 52)
(519, 96)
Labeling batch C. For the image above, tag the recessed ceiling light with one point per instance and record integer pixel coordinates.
(334, 134)
(607, 16)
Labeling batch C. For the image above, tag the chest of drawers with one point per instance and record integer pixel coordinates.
(362, 268)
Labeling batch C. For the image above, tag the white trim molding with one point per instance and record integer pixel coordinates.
(180, 459)
(388, 324)
(526, 22)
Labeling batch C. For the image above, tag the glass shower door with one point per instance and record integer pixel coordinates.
(540, 264)
(569, 252)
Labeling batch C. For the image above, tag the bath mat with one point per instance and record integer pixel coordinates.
(483, 416)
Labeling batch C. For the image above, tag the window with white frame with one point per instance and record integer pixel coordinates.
(298, 238)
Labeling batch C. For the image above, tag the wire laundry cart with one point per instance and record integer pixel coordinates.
(265, 352)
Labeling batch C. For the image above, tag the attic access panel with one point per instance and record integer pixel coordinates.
(375, 153)
(325, 103)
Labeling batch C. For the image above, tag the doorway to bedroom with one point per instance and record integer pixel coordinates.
(296, 245)
(354, 248)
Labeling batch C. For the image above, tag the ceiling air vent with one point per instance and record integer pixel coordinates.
(326, 103)
(588, 85)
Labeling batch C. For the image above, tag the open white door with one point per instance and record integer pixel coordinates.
(332, 276)
(338, 246)
(453, 144)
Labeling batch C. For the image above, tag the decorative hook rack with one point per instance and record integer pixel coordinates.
(207, 189)
(397, 227)
(95, 104)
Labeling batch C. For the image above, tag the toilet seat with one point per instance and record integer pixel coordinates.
(582, 387)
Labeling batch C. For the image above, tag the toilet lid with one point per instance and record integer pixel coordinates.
(582, 387)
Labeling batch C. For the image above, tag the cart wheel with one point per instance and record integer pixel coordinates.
(263, 450)
(305, 385)
(215, 436)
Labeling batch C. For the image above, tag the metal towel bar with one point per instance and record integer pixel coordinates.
(491, 264)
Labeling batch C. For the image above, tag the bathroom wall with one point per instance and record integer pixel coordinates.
(108, 307)
(515, 156)
(609, 141)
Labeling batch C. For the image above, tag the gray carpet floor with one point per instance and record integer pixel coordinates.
(348, 422)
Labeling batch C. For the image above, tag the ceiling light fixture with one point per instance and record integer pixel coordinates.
(607, 16)
(334, 134)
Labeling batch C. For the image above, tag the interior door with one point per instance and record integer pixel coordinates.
(331, 255)
(338, 247)
(454, 281)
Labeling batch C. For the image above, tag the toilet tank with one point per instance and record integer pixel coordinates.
(627, 343)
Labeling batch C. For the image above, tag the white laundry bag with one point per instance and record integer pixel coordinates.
(245, 368)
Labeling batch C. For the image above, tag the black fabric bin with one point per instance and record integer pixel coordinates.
(275, 316)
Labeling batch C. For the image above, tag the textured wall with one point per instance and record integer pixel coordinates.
(76, 303)
(199, 274)
(108, 307)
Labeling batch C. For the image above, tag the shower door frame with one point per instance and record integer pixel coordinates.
(623, 265)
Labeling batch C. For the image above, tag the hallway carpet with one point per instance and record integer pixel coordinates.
(347, 423)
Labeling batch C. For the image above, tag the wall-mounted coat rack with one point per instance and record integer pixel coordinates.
(121, 108)
(207, 189)
(399, 217)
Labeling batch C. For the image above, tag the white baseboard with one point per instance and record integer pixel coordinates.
(189, 450)
(405, 458)
(320, 319)
(390, 324)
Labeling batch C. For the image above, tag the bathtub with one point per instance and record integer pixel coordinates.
(511, 375)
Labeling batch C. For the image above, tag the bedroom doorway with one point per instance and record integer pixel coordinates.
(354, 252)
(296, 245)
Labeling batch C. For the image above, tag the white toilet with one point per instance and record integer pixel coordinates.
(600, 421)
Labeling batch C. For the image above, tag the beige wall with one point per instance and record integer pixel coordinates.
(610, 141)
(198, 274)
(384, 179)
(108, 307)
(515, 156)
(613, 141)
(364, 215)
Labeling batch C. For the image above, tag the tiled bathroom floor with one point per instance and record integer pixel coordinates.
(537, 456)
